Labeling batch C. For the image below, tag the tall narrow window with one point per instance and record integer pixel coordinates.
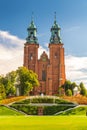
(55, 55)
(43, 75)
(31, 56)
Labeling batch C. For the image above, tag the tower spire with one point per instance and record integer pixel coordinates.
(54, 16)
(55, 32)
(32, 30)
(32, 16)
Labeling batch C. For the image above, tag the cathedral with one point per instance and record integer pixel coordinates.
(50, 71)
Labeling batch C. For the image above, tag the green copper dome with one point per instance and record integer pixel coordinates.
(32, 30)
(55, 33)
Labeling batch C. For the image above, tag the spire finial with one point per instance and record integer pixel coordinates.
(32, 16)
(54, 16)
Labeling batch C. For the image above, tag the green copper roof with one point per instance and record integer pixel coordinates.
(55, 33)
(32, 30)
(32, 25)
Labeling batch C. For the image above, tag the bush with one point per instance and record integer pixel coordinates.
(61, 101)
(42, 100)
(50, 110)
(29, 110)
(69, 92)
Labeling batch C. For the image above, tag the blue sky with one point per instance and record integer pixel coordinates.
(15, 16)
(71, 15)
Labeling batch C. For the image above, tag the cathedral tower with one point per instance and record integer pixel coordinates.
(56, 51)
(31, 49)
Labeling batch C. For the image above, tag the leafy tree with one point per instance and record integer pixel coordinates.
(67, 85)
(27, 80)
(12, 76)
(9, 83)
(9, 87)
(69, 92)
(83, 90)
(73, 85)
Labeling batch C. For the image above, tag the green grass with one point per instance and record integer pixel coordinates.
(81, 110)
(6, 111)
(43, 123)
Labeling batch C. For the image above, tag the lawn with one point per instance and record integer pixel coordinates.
(7, 111)
(80, 110)
(43, 122)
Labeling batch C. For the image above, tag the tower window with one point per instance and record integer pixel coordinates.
(55, 34)
(31, 34)
(43, 75)
(31, 56)
(55, 55)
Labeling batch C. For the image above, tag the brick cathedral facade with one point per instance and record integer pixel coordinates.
(50, 71)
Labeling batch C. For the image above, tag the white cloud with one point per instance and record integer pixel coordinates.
(11, 57)
(76, 69)
(11, 52)
(7, 38)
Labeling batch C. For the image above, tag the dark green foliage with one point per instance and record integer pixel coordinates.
(29, 110)
(68, 87)
(61, 101)
(50, 110)
(83, 90)
(42, 100)
(23, 102)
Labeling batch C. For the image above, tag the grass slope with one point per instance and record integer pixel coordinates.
(81, 110)
(6, 111)
(43, 123)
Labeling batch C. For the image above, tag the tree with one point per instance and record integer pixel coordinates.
(27, 80)
(67, 85)
(73, 85)
(9, 83)
(83, 90)
(69, 92)
(2, 91)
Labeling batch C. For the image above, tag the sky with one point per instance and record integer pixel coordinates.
(71, 16)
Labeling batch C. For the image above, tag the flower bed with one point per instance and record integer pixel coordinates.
(82, 100)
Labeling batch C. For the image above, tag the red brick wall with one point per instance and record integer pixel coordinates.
(31, 64)
(54, 67)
